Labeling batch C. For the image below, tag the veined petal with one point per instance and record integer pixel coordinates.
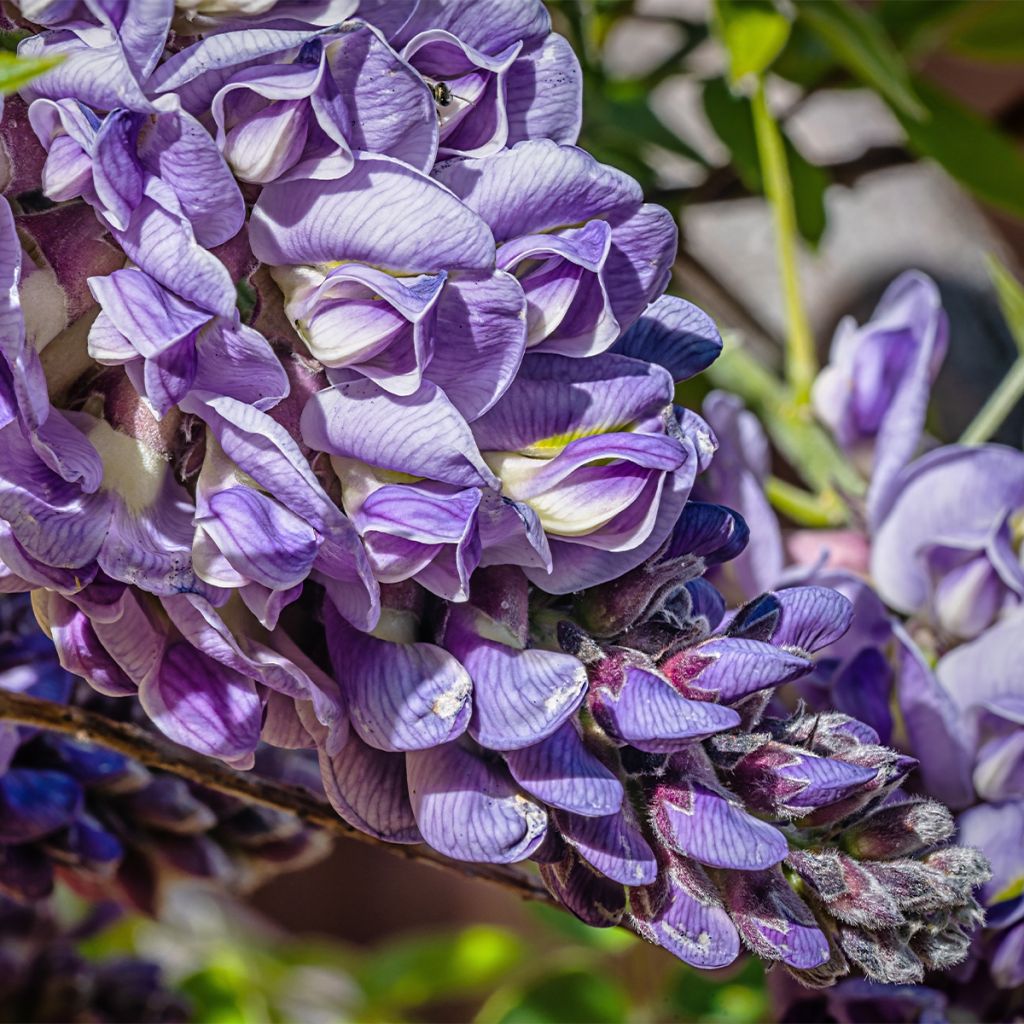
(613, 844)
(420, 434)
(400, 696)
(202, 704)
(383, 213)
(561, 772)
(368, 788)
(468, 809)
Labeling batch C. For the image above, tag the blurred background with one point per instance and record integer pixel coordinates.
(903, 122)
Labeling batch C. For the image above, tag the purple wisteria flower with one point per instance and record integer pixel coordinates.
(350, 428)
(947, 546)
(873, 394)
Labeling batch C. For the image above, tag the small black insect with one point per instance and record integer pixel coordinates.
(443, 96)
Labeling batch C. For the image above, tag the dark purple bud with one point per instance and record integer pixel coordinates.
(941, 949)
(915, 887)
(890, 769)
(21, 155)
(612, 608)
(774, 922)
(168, 804)
(849, 892)
(713, 533)
(594, 899)
(785, 780)
(899, 830)
(683, 913)
(757, 619)
(728, 668)
(883, 956)
(638, 707)
(24, 874)
(36, 803)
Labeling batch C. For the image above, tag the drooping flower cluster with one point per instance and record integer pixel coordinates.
(105, 824)
(936, 577)
(43, 977)
(330, 369)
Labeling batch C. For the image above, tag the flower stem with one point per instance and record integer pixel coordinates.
(156, 752)
(999, 405)
(804, 508)
(801, 358)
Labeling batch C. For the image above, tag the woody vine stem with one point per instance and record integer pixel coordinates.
(154, 751)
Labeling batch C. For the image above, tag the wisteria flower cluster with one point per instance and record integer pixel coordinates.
(103, 823)
(337, 405)
(936, 576)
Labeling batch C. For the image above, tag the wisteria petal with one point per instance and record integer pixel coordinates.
(181, 152)
(728, 668)
(544, 93)
(482, 322)
(649, 714)
(675, 334)
(400, 696)
(537, 186)
(469, 809)
(561, 772)
(699, 823)
(419, 434)
(519, 696)
(368, 788)
(201, 704)
(613, 844)
(383, 213)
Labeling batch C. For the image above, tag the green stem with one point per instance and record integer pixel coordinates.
(801, 358)
(999, 405)
(804, 508)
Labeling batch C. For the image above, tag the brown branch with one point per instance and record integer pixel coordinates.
(155, 751)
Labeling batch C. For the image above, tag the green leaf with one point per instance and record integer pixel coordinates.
(730, 116)
(809, 184)
(16, 72)
(753, 34)
(918, 24)
(415, 971)
(1011, 299)
(569, 997)
(969, 148)
(992, 31)
(733, 123)
(806, 59)
(860, 44)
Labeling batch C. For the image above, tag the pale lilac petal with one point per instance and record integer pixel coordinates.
(538, 186)
(555, 396)
(482, 331)
(179, 150)
(240, 363)
(421, 434)
(201, 704)
(383, 212)
(561, 772)
(545, 93)
(640, 261)
(390, 109)
(400, 696)
(368, 789)
(469, 809)
(485, 24)
(161, 243)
